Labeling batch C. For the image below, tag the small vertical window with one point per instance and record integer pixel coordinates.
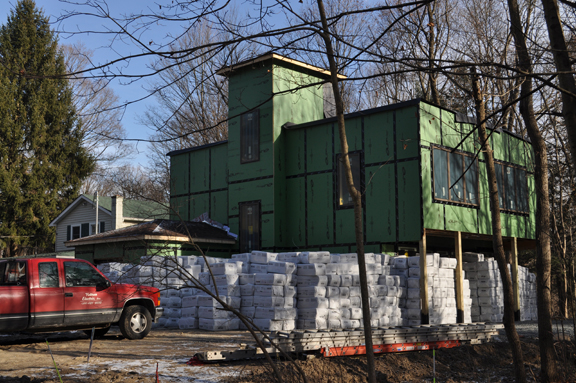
(75, 232)
(441, 186)
(250, 137)
(471, 179)
(344, 196)
(522, 189)
(249, 226)
(456, 178)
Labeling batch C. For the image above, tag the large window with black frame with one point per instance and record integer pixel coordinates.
(455, 177)
(512, 188)
(250, 137)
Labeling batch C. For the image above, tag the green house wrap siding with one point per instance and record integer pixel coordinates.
(295, 181)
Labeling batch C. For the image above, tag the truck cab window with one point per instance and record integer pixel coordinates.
(48, 274)
(82, 274)
(13, 273)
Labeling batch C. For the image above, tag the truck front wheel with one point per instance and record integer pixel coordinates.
(135, 322)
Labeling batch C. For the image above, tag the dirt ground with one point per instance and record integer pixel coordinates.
(26, 358)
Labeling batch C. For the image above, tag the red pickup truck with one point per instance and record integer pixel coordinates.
(60, 294)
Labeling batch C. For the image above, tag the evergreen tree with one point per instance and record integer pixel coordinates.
(42, 161)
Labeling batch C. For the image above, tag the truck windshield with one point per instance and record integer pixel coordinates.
(12, 273)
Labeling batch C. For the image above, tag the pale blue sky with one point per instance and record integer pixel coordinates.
(102, 53)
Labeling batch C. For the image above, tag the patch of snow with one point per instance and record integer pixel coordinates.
(176, 371)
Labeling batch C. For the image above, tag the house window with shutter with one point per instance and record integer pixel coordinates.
(250, 137)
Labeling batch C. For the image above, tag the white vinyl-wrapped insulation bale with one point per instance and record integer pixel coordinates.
(279, 267)
(332, 269)
(312, 324)
(313, 280)
(213, 313)
(190, 301)
(275, 313)
(311, 269)
(189, 312)
(262, 257)
(224, 268)
(247, 301)
(320, 303)
(293, 257)
(228, 290)
(188, 323)
(246, 290)
(248, 311)
(311, 292)
(258, 268)
(246, 279)
(244, 257)
(346, 280)
(315, 257)
(448, 263)
(270, 279)
(274, 302)
(269, 291)
(290, 291)
(174, 302)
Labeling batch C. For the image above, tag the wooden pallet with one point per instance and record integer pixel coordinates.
(351, 342)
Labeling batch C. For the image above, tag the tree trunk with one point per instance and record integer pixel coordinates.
(564, 70)
(497, 242)
(355, 193)
(543, 227)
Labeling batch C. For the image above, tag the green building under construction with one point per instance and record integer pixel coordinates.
(278, 182)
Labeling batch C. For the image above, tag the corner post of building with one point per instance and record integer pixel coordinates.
(424, 315)
(515, 284)
(459, 278)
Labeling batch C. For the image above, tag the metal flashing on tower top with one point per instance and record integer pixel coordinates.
(228, 70)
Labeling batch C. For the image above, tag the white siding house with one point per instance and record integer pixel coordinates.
(78, 220)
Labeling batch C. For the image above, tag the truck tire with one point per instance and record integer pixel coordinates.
(98, 333)
(135, 322)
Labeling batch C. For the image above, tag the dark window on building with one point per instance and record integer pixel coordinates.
(512, 188)
(250, 137)
(249, 226)
(455, 177)
(344, 196)
(75, 232)
(48, 273)
(101, 229)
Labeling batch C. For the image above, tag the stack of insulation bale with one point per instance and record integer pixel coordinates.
(319, 290)
(312, 287)
(441, 280)
(527, 291)
(225, 284)
(485, 286)
(274, 292)
(387, 292)
(409, 268)
(116, 271)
